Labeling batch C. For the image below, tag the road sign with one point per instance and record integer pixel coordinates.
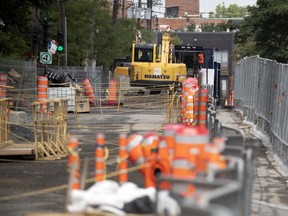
(45, 57)
(52, 47)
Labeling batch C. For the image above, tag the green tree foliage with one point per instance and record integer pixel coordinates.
(177, 40)
(92, 35)
(232, 10)
(90, 31)
(266, 30)
(220, 27)
(15, 34)
(191, 27)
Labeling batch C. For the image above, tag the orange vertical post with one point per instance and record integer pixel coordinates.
(203, 108)
(74, 164)
(122, 154)
(100, 166)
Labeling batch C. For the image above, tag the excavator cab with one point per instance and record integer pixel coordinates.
(143, 53)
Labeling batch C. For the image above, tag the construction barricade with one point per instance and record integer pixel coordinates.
(3, 84)
(200, 176)
(198, 167)
(4, 121)
(50, 129)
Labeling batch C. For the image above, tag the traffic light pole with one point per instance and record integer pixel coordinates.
(35, 34)
(62, 20)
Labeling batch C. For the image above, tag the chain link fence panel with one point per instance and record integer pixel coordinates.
(261, 93)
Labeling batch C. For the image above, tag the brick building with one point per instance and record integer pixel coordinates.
(182, 8)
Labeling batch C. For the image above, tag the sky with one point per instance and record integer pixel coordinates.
(210, 5)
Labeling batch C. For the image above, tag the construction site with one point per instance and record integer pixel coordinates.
(125, 150)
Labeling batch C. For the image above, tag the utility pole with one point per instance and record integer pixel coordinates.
(123, 9)
(139, 8)
(35, 32)
(115, 10)
(148, 21)
(62, 21)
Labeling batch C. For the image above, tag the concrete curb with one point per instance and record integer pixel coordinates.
(273, 158)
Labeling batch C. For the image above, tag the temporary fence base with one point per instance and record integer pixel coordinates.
(109, 103)
(18, 150)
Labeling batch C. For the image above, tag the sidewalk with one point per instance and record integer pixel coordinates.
(270, 193)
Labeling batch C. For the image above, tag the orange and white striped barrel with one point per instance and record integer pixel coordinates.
(192, 137)
(190, 104)
(100, 166)
(122, 155)
(3, 83)
(203, 108)
(112, 91)
(213, 154)
(214, 157)
(188, 151)
(168, 134)
(74, 164)
(42, 89)
(88, 90)
(189, 88)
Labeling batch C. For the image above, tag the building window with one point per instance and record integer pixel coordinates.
(172, 11)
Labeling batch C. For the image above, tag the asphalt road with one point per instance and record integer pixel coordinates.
(40, 186)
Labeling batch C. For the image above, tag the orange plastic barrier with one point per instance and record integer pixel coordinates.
(3, 82)
(112, 91)
(88, 90)
(100, 166)
(74, 164)
(42, 89)
(123, 164)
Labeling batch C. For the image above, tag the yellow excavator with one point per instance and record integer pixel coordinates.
(153, 66)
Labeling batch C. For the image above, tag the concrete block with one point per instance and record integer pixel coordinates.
(18, 117)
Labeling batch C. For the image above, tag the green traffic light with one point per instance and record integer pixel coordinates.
(60, 48)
